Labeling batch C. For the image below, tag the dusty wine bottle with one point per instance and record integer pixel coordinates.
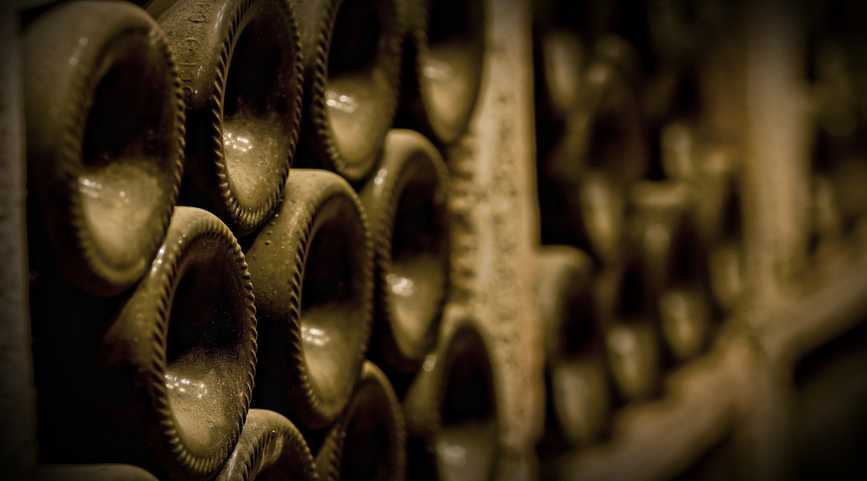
(632, 338)
(162, 377)
(559, 60)
(352, 51)
(442, 68)
(405, 201)
(603, 131)
(710, 171)
(590, 215)
(105, 140)
(242, 69)
(450, 407)
(584, 177)
(685, 315)
(677, 263)
(368, 442)
(576, 373)
(621, 54)
(270, 449)
(312, 268)
(679, 146)
(849, 176)
(715, 185)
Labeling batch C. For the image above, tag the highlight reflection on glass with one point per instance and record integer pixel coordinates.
(436, 69)
(237, 142)
(342, 102)
(400, 285)
(185, 386)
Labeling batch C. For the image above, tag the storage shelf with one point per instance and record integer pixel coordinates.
(661, 438)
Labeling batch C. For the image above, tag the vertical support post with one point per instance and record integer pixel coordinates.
(776, 171)
(17, 395)
(495, 223)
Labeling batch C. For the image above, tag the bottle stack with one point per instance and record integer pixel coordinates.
(238, 262)
(837, 164)
(240, 241)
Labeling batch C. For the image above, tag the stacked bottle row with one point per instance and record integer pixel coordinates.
(203, 308)
(640, 212)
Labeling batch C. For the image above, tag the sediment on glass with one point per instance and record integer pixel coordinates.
(405, 201)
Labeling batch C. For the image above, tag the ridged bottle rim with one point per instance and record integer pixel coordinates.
(212, 41)
(269, 442)
(79, 176)
(411, 167)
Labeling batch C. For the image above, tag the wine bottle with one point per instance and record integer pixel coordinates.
(105, 141)
(680, 150)
(242, 69)
(632, 335)
(620, 53)
(714, 180)
(677, 262)
(155, 7)
(352, 51)
(444, 57)
(368, 442)
(576, 373)
(567, 38)
(312, 268)
(826, 219)
(92, 472)
(451, 406)
(405, 201)
(584, 177)
(270, 448)
(685, 314)
(589, 215)
(160, 378)
(560, 58)
(183, 350)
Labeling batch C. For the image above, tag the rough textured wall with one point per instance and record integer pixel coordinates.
(495, 223)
